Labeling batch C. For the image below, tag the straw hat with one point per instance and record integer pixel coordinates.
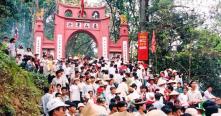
(97, 79)
(171, 81)
(161, 82)
(156, 113)
(216, 114)
(174, 71)
(125, 113)
(89, 110)
(81, 105)
(170, 69)
(118, 91)
(139, 102)
(75, 58)
(192, 111)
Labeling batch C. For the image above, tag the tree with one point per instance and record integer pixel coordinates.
(198, 54)
(127, 8)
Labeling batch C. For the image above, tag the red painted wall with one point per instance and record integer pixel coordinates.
(67, 26)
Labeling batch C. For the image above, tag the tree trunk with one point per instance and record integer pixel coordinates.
(143, 14)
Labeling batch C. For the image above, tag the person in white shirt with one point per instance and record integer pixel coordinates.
(101, 107)
(45, 99)
(194, 95)
(67, 70)
(93, 72)
(75, 91)
(29, 52)
(20, 50)
(60, 79)
(177, 77)
(183, 98)
(123, 87)
(158, 104)
(87, 87)
(111, 95)
(139, 73)
(18, 59)
(12, 48)
(143, 93)
(137, 82)
(110, 84)
(111, 69)
(132, 94)
(43, 64)
(208, 94)
(117, 77)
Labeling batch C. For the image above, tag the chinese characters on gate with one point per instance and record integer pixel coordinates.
(83, 25)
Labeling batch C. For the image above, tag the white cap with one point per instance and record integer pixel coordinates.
(55, 103)
(81, 105)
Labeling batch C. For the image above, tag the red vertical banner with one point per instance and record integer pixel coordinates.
(143, 46)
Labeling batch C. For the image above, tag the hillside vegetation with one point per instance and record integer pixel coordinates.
(19, 94)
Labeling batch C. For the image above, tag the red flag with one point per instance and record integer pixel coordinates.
(82, 8)
(153, 43)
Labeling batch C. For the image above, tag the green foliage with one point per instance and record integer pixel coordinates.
(19, 94)
(21, 13)
(198, 57)
(81, 44)
(49, 7)
(127, 8)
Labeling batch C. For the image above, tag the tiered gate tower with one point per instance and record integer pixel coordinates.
(68, 22)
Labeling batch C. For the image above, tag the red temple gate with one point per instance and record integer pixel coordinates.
(68, 22)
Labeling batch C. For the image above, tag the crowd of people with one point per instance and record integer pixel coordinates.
(84, 86)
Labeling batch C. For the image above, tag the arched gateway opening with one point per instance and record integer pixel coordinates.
(81, 43)
(69, 25)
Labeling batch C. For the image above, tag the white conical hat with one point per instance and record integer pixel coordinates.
(161, 82)
(174, 93)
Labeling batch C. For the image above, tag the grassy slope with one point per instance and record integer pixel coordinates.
(18, 94)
